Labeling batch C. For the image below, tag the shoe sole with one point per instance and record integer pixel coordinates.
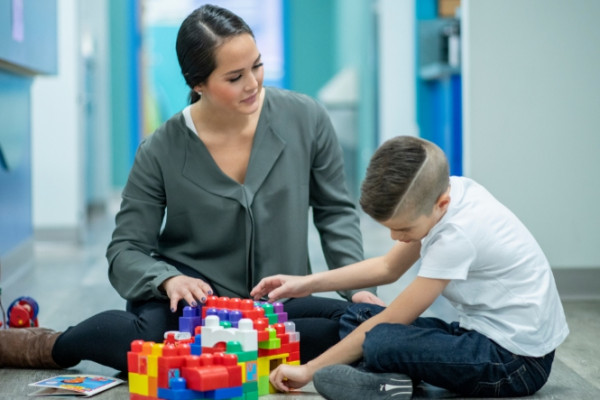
(343, 382)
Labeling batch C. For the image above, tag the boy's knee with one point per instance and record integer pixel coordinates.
(380, 348)
(355, 315)
(360, 312)
(382, 339)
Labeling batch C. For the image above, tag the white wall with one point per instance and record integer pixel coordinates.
(71, 124)
(95, 81)
(57, 142)
(397, 92)
(531, 76)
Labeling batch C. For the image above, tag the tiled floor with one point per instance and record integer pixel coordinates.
(69, 282)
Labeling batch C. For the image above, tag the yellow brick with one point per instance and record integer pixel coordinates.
(138, 384)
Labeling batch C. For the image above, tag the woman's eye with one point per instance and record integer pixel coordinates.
(237, 78)
(258, 66)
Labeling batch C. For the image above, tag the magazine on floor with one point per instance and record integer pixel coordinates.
(76, 385)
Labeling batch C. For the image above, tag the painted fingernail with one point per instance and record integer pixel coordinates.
(194, 304)
(172, 310)
(210, 292)
(203, 300)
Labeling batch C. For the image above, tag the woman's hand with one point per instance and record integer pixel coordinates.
(183, 287)
(288, 377)
(281, 286)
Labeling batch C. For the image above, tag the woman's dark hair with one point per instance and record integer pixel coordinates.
(200, 34)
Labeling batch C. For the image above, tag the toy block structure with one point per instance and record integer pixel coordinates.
(223, 350)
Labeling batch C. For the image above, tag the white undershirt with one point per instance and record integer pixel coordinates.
(189, 122)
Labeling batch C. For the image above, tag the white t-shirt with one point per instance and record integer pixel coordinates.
(501, 282)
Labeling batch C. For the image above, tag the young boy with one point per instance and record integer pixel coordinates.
(474, 252)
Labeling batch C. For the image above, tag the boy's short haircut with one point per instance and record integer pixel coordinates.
(405, 175)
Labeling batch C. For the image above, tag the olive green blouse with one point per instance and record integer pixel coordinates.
(181, 214)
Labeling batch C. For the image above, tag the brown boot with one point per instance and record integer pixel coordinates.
(27, 348)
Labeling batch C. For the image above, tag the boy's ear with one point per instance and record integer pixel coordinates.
(444, 200)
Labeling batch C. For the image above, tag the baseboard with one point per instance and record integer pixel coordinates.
(578, 283)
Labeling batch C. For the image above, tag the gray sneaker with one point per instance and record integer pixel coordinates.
(343, 382)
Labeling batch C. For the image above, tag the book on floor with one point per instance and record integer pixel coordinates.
(76, 385)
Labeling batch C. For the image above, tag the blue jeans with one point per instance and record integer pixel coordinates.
(445, 355)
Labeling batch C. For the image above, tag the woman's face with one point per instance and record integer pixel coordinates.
(236, 82)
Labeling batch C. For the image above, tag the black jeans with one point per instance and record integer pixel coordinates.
(106, 337)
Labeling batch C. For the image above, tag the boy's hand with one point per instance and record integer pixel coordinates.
(281, 286)
(367, 297)
(288, 377)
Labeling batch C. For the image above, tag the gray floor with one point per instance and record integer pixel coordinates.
(69, 282)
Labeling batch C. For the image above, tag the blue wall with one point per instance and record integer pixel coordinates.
(28, 46)
(357, 47)
(438, 99)
(126, 114)
(15, 161)
(310, 27)
(169, 90)
(28, 35)
(325, 37)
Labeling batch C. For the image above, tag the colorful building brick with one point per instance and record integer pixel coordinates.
(224, 350)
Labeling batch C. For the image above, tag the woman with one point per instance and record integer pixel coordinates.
(218, 198)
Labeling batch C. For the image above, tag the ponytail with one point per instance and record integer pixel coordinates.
(193, 97)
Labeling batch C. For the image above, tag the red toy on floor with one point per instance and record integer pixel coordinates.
(22, 313)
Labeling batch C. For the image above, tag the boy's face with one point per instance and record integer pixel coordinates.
(409, 229)
(405, 227)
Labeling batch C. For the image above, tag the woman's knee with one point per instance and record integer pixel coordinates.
(316, 307)
(151, 319)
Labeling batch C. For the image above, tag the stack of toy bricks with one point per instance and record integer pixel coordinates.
(224, 350)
